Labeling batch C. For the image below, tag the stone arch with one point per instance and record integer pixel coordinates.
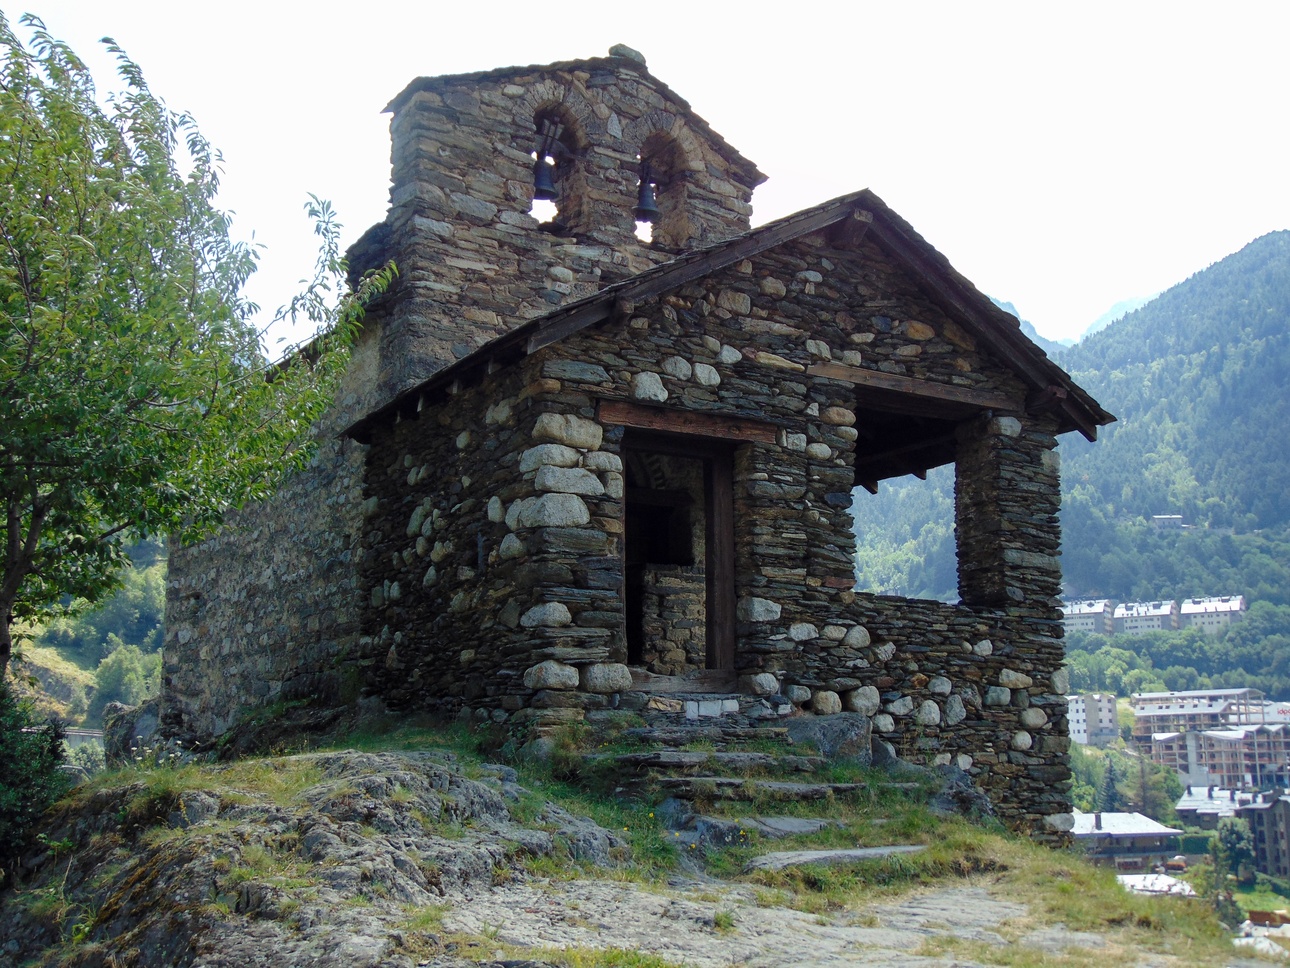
(564, 118)
(671, 168)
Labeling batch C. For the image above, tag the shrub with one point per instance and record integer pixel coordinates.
(31, 774)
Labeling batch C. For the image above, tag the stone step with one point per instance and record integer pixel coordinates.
(680, 735)
(689, 760)
(798, 858)
(742, 788)
(707, 831)
(705, 705)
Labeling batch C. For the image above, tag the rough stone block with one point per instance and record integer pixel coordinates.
(568, 480)
(758, 610)
(553, 511)
(762, 684)
(799, 695)
(569, 429)
(900, 707)
(955, 712)
(1033, 717)
(547, 615)
(556, 455)
(998, 696)
(803, 632)
(857, 637)
(706, 375)
(865, 700)
(1015, 680)
(826, 702)
(551, 675)
(928, 714)
(649, 387)
(606, 677)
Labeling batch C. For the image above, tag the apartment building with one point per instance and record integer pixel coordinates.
(1089, 615)
(1092, 718)
(1210, 615)
(1201, 709)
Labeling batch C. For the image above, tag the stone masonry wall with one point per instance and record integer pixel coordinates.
(674, 619)
(266, 610)
(976, 684)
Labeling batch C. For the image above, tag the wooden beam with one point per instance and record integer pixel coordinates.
(686, 422)
(1049, 396)
(945, 392)
(848, 233)
(719, 570)
(562, 326)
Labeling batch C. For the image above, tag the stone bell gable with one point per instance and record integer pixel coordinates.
(656, 481)
(473, 261)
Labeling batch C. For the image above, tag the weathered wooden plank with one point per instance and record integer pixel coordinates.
(686, 422)
(562, 326)
(847, 233)
(718, 477)
(918, 388)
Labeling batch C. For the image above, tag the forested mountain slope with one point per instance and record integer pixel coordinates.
(1200, 381)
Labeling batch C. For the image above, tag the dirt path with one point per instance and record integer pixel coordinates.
(715, 926)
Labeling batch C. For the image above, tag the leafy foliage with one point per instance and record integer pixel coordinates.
(31, 778)
(138, 399)
(131, 616)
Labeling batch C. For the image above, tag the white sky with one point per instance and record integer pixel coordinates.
(1062, 156)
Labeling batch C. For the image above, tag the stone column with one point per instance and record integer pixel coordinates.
(1006, 498)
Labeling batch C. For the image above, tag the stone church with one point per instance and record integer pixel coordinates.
(611, 451)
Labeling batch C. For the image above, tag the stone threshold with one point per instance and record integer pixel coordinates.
(703, 681)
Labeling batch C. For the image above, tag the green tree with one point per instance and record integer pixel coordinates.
(127, 676)
(1232, 850)
(137, 397)
(31, 777)
(1109, 797)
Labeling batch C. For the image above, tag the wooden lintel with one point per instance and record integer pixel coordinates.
(687, 422)
(848, 232)
(870, 486)
(878, 380)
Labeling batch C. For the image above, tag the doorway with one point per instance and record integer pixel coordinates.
(678, 553)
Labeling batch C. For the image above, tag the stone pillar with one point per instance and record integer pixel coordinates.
(1006, 500)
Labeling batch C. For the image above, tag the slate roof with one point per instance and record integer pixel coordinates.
(969, 308)
(1119, 825)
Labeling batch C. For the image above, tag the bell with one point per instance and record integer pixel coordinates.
(646, 210)
(544, 189)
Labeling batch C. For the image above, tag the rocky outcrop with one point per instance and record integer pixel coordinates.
(314, 859)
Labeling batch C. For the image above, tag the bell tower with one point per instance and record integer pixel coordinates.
(469, 151)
